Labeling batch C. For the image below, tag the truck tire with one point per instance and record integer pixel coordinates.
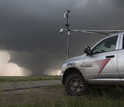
(75, 85)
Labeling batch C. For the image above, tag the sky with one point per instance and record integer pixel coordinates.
(30, 43)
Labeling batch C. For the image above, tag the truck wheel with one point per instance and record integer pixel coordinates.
(75, 84)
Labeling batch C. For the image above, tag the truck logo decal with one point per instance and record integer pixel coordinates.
(102, 63)
(71, 64)
(86, 65)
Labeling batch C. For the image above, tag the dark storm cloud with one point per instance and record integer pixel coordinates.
(119, 3)
(29, 29)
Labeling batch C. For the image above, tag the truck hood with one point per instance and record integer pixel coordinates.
(75, 58)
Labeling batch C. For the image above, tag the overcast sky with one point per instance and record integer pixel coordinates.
(29, 29)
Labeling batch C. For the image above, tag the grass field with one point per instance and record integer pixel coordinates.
(111, 97)
(27, 78)
(56, 96)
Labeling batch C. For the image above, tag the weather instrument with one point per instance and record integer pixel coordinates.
(66, 15)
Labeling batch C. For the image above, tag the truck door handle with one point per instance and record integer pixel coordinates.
(111, 56)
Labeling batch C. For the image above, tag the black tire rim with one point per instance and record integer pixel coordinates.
(76, 85)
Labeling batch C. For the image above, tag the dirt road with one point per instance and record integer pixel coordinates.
(32, 95)
(26, 85)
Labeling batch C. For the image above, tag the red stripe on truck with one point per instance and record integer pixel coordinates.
(102, 63)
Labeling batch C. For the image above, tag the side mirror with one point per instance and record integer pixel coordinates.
(87, 50)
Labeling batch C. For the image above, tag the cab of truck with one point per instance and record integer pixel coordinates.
(102, 64)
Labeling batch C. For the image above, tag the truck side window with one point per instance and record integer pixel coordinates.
(106, 45)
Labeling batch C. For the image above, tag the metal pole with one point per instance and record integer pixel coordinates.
(67, 25)
(67, 47)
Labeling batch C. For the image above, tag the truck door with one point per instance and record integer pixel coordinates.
(101, 65)
(121, 60)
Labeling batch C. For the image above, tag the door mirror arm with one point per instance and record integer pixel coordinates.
(88, 51)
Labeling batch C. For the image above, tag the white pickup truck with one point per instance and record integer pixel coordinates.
(103, 64)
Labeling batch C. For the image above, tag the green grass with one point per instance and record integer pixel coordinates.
(27, 78)
(111, 97)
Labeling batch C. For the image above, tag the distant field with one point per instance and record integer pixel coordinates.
(27, 78)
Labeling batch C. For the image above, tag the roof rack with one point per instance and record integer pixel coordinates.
(104, 32)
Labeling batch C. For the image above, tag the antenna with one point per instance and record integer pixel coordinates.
(68, 32)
